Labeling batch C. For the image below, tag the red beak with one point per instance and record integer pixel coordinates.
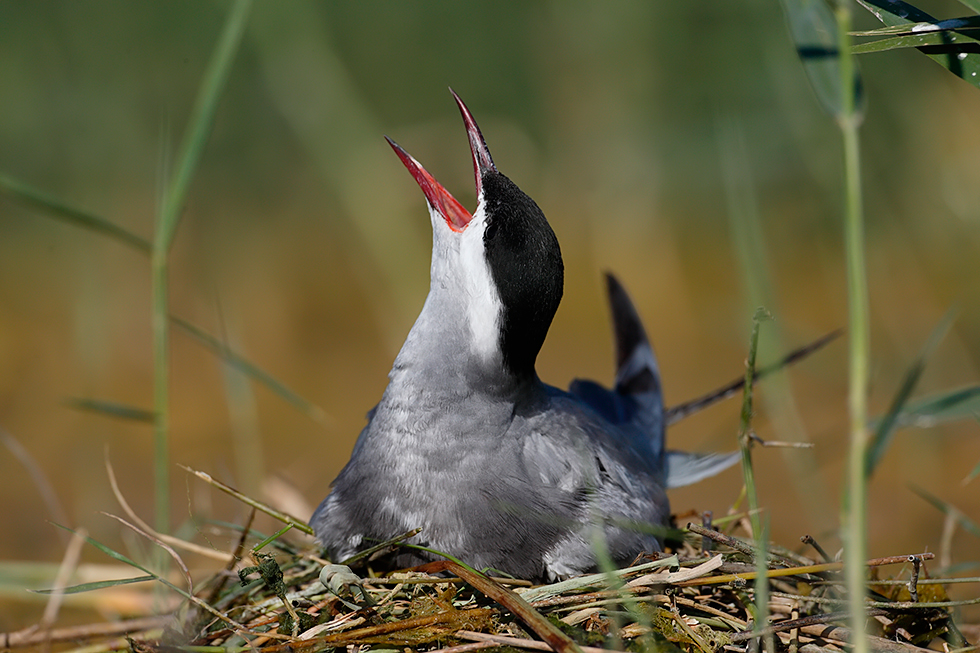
(481, 155)
(435, 193)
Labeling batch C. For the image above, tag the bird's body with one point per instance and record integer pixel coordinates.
(496, 467)
(518, 493)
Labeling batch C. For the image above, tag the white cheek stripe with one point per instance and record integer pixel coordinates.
(482, 301)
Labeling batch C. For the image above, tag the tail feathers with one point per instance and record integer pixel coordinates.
(688, 468)
(637, 371)
(638, 398)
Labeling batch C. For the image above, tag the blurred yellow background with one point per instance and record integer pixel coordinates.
(305, 244)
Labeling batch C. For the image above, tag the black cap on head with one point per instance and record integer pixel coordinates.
(525, 261)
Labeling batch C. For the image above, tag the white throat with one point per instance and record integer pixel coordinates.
(459, 268)
(482, 301)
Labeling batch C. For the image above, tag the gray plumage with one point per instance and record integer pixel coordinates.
(496, 467)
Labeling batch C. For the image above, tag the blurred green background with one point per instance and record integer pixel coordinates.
(305, 244)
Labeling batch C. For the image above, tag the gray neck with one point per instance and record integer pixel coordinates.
(454, 348)
(441, 358)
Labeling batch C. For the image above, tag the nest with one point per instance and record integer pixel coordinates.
(703, 595)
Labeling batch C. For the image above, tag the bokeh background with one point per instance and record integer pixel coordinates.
(657, 137)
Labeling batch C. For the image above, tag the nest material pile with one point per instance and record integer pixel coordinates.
(701, 599)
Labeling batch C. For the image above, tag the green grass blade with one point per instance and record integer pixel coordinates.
(37, 475)
(936, 39)
(171, 209)
(759, 526)
(59, 210)
(948, 509)
(199, 128)
(749, 237)
(965, 65)
(745, 427)
(272, 538)
(762, 614)
(955, 36)
(896, 12)
(677, 412)
(813, 27)
(111, 553)
(111, 409)
(442, 554)
(184, 593)
(966, 25)
(222, 350)
(829, 26)
(159, 307)
(949, 406)
(887, 425)
(98, 585)
(972, 475)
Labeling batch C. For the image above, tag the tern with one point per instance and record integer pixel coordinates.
(497, 468)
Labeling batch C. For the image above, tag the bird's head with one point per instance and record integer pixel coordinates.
(501, 263)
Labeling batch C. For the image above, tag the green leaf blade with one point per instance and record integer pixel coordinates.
(887, 426)
(813, 28)
(896, 12)
(951, 53)
(201, 120)
(949, 406)
(115, 555)
(930, 39)
(38, 199)
(256, 373)
(97, 585)
(947, 508)
(967, 25)
(112, 409)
